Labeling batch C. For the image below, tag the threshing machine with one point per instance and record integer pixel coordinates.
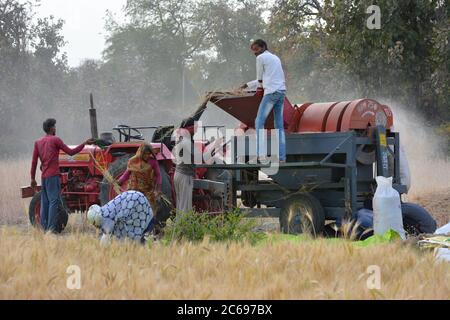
(335, 150)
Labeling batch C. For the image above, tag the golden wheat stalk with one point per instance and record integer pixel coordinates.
(219, 95)
(284, 270)
(165, 200)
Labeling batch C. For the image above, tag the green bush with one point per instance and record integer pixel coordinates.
(195, 227)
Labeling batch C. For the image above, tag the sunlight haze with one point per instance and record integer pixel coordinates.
(84, 28)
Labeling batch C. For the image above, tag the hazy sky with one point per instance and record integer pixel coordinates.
(84, 28)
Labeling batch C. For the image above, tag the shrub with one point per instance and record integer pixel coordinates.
(195, 227)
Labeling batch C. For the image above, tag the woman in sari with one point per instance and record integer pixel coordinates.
(143, 175)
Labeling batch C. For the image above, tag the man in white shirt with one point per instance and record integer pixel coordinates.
(271, 80)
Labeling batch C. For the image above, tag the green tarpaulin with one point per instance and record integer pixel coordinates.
(388, 237)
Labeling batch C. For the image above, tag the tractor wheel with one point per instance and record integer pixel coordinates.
(117, 168)
(34, 213)
(165, 207)
(223, 176)
(249, 197)
(302, 214)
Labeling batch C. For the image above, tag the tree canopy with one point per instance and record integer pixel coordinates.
(170, 51)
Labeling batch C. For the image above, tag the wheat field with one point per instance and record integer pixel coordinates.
(34, 265)
(14, 173)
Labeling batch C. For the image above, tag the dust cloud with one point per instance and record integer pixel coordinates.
(426, 151)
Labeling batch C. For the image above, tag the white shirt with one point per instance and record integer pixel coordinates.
(270, 71)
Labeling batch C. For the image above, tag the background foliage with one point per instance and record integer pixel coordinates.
(165, 45)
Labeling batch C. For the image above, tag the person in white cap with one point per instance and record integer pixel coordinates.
(129, 215)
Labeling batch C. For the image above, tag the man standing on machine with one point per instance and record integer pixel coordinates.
(271, 80)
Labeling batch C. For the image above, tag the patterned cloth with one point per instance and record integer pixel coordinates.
(144, 182)
(127, 216)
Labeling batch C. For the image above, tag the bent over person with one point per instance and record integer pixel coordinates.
(47, 150)
(129, 215)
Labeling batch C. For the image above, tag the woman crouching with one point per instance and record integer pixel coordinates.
(128, 216)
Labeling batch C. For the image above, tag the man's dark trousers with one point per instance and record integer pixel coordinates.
(50, 202)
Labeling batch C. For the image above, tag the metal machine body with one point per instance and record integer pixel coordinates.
(334, 152)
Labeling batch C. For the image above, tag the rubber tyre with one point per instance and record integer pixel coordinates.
(34, 212)
(248, 198)
(417, 220)
(365, 157)
(224, 176)
(165, 208)
(302, 214)
(117, 168)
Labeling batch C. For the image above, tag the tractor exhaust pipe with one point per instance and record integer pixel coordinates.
(93, 118)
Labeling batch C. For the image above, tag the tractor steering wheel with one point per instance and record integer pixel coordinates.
(126, 132)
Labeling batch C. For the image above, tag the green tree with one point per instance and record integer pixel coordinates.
(156, 44)
(228, 61)
(164, 41)
(32, 72)
(333, 55)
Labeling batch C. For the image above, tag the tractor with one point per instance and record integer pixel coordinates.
(82, 176)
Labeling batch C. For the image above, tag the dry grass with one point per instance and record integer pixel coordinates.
(14, 174)
(310, 270)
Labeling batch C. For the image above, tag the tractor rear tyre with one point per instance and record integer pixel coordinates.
(165, 207)
(117, 168)
(302, 214)
(34, 213)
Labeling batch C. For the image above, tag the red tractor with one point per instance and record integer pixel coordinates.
(82, 176)
(84, 182)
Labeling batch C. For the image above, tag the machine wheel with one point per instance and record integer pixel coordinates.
(366, 155)
(117, 168)
(302, 214)
(34, 213)
(248, 197)
(417, 220)
(165, 208)
(224, 176)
